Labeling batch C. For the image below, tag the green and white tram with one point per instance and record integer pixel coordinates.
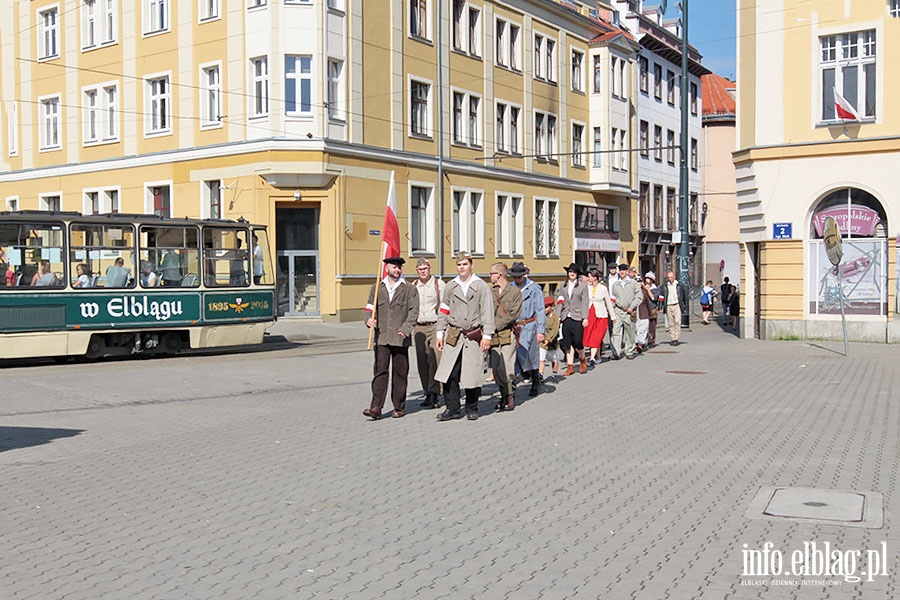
(114, 284)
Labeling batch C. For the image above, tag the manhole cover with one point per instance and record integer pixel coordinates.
(813, 505)
(687, 372)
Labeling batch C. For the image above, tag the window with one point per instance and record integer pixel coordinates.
(111, 113)
(500, 36)
(260, 86)
(298, 85)
(50, 120)
(657, 142)
(577, 145)
(158, 95)
(335, 89)
(514, 144)
(546, 232)
(474, 31)
(500, 136)
(420, 115)
(211, 196)
(895, 8)
(670, 146)
(598, 74)
(109, 21)
(459, 15)
(50, 202)
(551, 60)
(670, 209)
(100, 114)
(670, 87)
(49, 36)
(467, 221)
(643, 67)
(474, 121)
(657, 81)
(466, 30)
(594, 218)
(644, 205)
(12, 203)
(514, 50)
(12, 128)
(88, 23)
(226, 259)
(619, 150)
(466, 119)
(160, 200)
(171, 254)
(538, 56)
(91, 111)
(421, 219)
(30, 246)
(209, 9)
(695, 154)
(617, 77)
(419, 25)
(645, 139)
(545, 136)
(598, 147)
(658, 207)
(577, 76)
(211, 103)
(156, 16)
(510, 233)
(693, 98)
(848, 67)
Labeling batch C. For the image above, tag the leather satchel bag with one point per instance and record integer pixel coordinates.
(473, 334)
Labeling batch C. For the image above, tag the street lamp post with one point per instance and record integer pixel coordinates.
(684, 275)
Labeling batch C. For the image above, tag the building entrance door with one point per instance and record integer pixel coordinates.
(297, 252)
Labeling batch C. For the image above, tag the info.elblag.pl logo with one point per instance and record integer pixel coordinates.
(821, 561)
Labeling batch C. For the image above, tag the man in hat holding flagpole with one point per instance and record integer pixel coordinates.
(531, 325)
(572, 301)
(393, 320)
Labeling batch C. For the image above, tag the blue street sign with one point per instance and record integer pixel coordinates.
(374, 232)
(782, 231)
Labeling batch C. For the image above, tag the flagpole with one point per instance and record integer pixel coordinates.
(379, 270)
(390, 239)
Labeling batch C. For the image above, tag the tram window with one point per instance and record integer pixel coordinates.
(226, 260)
(102, 256)
(263, 271)
(172, 254)
(32, 255)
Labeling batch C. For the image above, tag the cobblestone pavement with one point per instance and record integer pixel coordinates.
(238, 476)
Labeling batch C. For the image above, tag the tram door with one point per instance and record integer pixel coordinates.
(297, 252)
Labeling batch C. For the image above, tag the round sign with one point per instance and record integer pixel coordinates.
(833, 244)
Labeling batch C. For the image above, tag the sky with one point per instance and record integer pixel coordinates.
(712, 31)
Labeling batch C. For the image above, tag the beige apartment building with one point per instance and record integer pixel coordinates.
(506, 125)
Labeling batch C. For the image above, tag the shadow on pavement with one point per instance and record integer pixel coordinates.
(12, 438)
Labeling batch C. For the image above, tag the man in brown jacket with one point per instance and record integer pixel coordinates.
(573, 302)
(502, 355)
(393, 319)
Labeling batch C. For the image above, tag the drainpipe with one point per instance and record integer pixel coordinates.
(439, 243)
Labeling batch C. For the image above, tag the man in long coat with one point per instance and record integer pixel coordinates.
(464, 330)
(393, 319)
(502, 355)
(532, 322)
(628, 295)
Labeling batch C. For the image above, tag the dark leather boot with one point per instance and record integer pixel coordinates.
(510, 402)
(535, 384)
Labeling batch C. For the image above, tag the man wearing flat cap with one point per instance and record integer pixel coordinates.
(502, 355)
(572, 306)
(628, 295)
(531, 325)
(393, 316)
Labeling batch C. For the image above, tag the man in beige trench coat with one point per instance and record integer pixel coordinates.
(464, 329)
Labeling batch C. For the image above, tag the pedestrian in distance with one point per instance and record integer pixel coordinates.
(674, 297)
(393, 317)
(653, 313)
(646, 308)
(707, 297)
(726, 293)
(734, 307)
(531, 327)
(464, 329)
(502, 353)
(429, 289)
(600, 313)
(628, 296)
(572, 304)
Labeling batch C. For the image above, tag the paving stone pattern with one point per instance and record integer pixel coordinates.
(239, 476)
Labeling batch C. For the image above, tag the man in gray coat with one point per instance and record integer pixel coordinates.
(393, 316)
(628, 295)
(464, 330)
(532, 323)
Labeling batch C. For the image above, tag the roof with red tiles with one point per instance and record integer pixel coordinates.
(717, 100)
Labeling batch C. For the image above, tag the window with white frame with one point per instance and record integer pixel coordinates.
(657, 81)
(670, 146)
(474, 120)
(466, 119)
(622, 79)
(88, 23)
(500, 135)
(156, 16)
(657, 142)
(598, 147)
(577, 145)
(110, 112)
(159, 200)
(894, 8)
(577, 71)
(598, 74)
(109, 21)
(49, 33)
(645, 138)
(500, 37)
(848, 68)
(474, 31)
(644, 74)
(91, 116)
(507, 136)
(298, 86)
(12, 128)
(421, 219)
(515, 49)
(158, 118)
(545, 138)
(617, 77)
(546, 232)
(538, 60)
(695, 154)
(514, 144)
(419, 106)
(211, 192)
(12, 203)
(50, 120)
(467, 221)
(550, 53)
(335, 89)
(510, 234)
(693, 98)
(670, 87)
(459, 106)
(419, 19)
(259, 74)
(100, 107)
(209, 9)
(211, 109)
(51, 202)
(91, 203)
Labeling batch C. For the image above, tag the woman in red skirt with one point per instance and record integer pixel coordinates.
(599, 314)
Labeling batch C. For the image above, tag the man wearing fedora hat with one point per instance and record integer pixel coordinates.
(502, 355)
(393, 319)
(531, 325)
(572, 305)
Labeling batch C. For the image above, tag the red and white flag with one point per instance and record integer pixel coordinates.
(843, 109)
(390, 233)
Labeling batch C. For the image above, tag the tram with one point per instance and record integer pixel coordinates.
(119, 284)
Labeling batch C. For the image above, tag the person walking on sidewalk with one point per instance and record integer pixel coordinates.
(628, 296)
(676, 302)
(727, 292)
(531, 326)
(502, 355)
(573, 306)
(600, 313)
(464, 329)
(707, 297)
(393, 319)
(653, 312)
(429, 289)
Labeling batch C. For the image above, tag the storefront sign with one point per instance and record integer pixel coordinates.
(598, 244)
(862, 220)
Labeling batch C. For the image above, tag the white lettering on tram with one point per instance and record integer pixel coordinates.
(134, 306)
(89, 310)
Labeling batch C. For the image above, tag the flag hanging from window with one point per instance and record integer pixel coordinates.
(390, 233)
(843, 109)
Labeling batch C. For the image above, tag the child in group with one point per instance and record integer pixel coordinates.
(551, 337)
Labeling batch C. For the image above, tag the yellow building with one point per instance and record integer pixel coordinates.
(505, 128)
(801, 159)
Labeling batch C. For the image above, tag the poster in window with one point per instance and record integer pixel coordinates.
(864, 276)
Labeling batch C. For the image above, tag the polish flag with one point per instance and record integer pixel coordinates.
(844, 109)
(390, 233)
